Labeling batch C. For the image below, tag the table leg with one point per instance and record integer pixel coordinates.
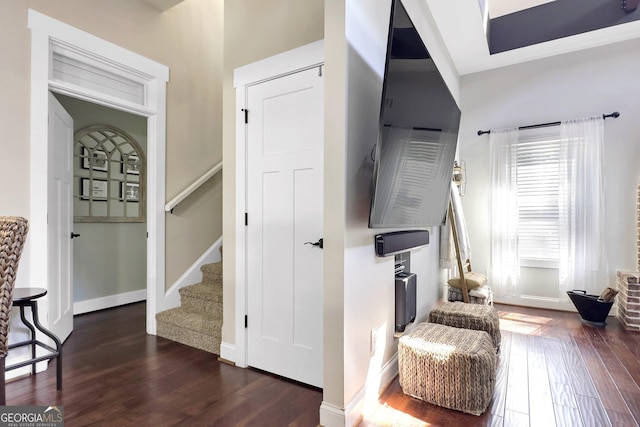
(36, 322)
(33, 336)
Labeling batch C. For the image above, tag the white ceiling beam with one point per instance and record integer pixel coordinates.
(499, 8)
(460, 25)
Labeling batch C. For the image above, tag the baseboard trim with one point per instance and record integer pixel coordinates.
(228, 352)
(101, 303)
(193, 275)
(331, 415)
(546, 303)
(365, 402)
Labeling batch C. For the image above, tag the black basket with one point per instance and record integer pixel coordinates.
(590, 307)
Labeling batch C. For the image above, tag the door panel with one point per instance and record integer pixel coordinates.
(60, 220)
(308, 213)
(284, 203)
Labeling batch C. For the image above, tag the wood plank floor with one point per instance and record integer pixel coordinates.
(553, 370)
(114, 374)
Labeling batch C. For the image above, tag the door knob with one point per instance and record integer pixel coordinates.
(74, 235)
(319, 243)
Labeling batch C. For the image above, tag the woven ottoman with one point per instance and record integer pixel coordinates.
(479, 295)
(450, 367)
(469, 316)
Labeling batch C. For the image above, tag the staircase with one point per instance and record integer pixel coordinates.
(198, 320)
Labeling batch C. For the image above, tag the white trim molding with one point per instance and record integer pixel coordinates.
(49, 35)
(110, 301)
(227, 351)
(311, 55)
(307, 56)
(192, 275)
(331, 415)
(364, 403)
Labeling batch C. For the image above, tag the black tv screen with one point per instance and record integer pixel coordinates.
(418, 134)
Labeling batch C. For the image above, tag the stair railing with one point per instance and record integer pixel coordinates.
(193, 187)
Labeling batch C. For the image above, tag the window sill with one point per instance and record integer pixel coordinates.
(539, 263)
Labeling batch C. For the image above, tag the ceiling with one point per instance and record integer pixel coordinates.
(499, 8)
(462, 23)
(462, 27)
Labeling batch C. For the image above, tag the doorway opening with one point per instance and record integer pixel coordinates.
(100, 72)
(109, 257)
(306, 58)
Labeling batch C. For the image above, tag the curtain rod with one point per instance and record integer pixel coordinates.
(615, 115)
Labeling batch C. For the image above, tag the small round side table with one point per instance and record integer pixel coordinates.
(28, 297)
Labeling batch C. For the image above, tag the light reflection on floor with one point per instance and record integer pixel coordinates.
(523, 323)
(386, 416)
(382, 415)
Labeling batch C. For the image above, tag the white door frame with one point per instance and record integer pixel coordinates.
(308, 56)
(46, 33)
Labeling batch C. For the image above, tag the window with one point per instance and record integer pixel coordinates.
(538, 193)
(547, 210)
(109, 176)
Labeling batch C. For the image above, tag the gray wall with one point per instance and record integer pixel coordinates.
(108, 258)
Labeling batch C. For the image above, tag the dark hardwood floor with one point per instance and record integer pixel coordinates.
(553, 370)
(114, 374)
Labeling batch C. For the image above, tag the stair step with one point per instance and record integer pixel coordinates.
(196, 305)
(198, 321)
(203, 291)
(202, 297)
(197, 330)
(212, 274)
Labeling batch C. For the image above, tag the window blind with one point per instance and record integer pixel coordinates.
(538, 192)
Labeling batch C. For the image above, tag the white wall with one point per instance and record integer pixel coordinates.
(188, 39)
(359, 287)
(591, 82)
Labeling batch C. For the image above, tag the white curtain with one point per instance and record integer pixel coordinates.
(504, 271)
(583, 262)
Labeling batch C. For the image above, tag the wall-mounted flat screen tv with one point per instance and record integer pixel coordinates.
(418, 134)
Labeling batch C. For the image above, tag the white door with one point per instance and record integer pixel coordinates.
(60, 220)
(284, 206)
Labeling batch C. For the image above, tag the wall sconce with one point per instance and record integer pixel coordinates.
(460, 176)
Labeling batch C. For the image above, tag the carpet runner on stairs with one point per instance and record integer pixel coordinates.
(198, 320)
